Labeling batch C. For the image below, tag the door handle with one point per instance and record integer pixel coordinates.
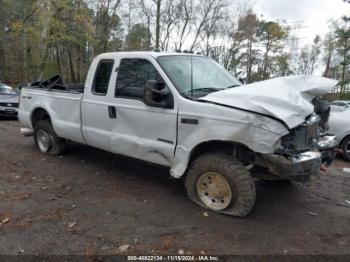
(112, 112)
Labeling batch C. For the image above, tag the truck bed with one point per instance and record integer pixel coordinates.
(62, 102)
(55, 83)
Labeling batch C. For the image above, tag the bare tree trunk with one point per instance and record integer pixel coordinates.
(71, 66)
(158, 3)
(181, 41)
(249, 62)
(149, 35)
(78, 64)
(24, 47)
(207, 45)
(2, 42)
(342, 87)
(266, 57)
(43, 62)
(328, 64)
(58, 59)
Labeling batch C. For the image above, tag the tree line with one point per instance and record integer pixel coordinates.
(39, 38)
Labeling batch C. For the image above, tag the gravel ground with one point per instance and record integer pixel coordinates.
(90, 202)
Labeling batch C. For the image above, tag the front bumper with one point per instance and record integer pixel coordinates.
(298, 167)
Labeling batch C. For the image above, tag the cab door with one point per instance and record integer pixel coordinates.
(97, 113)
(141, 131)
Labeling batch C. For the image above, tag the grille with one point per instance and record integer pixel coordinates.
(301, 138)
(9, 104)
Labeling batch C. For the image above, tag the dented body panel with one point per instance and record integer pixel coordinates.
(286, 98)
(219, 123)
(255, 116)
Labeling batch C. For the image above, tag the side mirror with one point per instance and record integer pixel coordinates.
(156, 94)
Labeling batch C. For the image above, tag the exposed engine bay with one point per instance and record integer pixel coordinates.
(304, 143)
(311, 135)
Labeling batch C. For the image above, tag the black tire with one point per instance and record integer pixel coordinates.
(237, 176)
(343, 147)
(57, 145)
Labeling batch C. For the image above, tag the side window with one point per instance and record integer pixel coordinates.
(102, 76)
(132, 77)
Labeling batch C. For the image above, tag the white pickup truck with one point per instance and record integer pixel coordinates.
(189, 114)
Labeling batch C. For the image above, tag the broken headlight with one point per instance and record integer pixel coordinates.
(302, 138)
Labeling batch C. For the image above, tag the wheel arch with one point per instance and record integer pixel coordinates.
(343, 138)
(210, 146)
(38, 114)
(184, 158)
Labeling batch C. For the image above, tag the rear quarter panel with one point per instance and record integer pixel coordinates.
(64, 109)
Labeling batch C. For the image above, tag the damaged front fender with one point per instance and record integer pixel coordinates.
(258, 133)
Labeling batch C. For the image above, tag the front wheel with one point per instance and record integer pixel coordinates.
(221, 183)
(46, 139)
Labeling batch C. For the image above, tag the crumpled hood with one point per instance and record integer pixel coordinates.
(286, 98)
(8, 98)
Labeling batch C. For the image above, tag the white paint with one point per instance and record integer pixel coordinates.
(339, 124)
(287, 98)
(158, 135)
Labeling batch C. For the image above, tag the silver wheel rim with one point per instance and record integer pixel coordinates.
(44, 140)
(214, 191)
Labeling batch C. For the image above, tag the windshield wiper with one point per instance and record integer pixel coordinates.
(232, 86)
(209, 89)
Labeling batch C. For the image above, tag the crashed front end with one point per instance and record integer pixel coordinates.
(300, 144)
(304, 149)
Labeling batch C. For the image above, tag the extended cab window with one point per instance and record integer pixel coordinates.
(132, 77)
(102, 76)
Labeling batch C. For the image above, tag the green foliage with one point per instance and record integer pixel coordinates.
(137, 39)
(44, 36)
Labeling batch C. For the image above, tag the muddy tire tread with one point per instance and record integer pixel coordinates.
(237, 175)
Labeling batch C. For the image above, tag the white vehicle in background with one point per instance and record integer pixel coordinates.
(340, 105)
(189, 114)
(339, 125)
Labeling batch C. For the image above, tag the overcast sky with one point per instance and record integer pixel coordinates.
(315, 13)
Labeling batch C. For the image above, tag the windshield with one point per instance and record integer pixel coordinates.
(197, 76)
(6, 90)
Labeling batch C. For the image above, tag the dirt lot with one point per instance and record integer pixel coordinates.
(92, 202)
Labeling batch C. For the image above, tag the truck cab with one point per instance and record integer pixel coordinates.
(189, 114)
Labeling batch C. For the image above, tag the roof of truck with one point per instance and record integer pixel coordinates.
(143, 53)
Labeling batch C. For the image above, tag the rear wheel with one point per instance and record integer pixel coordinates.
(345, 147)
(46, 139)
(221, 183)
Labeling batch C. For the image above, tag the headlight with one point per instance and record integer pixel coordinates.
(312, 119)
